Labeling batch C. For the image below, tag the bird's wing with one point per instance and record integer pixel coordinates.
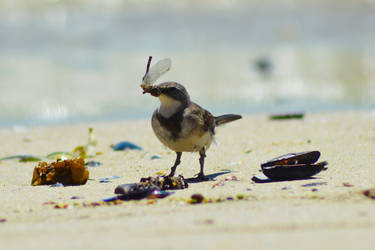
(200, 118)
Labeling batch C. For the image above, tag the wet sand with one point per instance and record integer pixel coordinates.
(332, 213)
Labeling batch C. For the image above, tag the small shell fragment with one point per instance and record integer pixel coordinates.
(60, 155)
(108, 179)
(134, 191)
(58, 184)
(124, 145)
(154, 157)
(93, 164)
(22, 158)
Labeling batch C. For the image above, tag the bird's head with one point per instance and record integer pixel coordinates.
(169, 91)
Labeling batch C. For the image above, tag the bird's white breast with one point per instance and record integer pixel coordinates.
(168, 106)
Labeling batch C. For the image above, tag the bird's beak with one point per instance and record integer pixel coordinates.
(152, 90)
(145, 88)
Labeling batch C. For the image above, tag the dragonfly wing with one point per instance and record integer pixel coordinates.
(156, 71)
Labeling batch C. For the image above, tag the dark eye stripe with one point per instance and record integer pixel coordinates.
(173, 92)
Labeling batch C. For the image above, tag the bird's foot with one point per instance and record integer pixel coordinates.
(171, 174)
(202, 177)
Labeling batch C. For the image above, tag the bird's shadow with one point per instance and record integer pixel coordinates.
(209, 177)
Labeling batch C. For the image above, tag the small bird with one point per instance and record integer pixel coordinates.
(179, 123)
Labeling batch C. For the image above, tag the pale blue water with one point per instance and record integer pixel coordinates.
(73, 63)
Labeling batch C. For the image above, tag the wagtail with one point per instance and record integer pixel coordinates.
(179, 123)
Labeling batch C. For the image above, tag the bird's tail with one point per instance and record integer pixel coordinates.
(219, 120)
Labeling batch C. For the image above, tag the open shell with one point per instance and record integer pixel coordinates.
(293, 166)
(308, 157)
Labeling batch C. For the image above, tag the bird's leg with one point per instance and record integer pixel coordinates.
(176, 163)
(202, 154)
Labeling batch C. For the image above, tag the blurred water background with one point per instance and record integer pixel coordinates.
(77, 61)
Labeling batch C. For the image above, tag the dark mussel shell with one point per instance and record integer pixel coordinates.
(293, 172)
(134, 191)
(301, 158)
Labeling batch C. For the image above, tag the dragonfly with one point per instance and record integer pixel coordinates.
(155, 72)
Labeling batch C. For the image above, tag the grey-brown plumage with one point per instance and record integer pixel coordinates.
(182, 125)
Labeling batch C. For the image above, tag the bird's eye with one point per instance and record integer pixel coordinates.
(171, 91)
(154, 92)
(174, 93)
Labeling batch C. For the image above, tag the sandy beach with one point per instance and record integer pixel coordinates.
(330, 212)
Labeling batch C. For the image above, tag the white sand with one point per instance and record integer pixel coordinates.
(281, 215)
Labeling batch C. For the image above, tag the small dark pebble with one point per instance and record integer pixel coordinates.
(314, 190)
(93, 164)
(196, 198)
(346, 184)
(75, 198)
(124, 145)
(370, 193)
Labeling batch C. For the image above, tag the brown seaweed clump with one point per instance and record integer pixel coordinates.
(67, 172)
(164, 182)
